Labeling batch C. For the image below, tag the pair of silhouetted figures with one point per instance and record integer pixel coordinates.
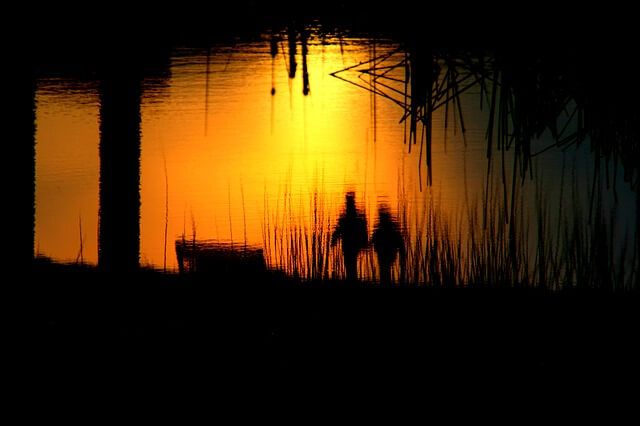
(351, 229)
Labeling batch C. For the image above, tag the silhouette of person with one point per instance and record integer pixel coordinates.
(352, 230)
(387, 242)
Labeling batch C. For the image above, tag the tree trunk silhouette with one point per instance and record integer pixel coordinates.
(119, 226)
(20, 128)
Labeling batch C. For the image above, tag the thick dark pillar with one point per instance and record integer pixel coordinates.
(19, 166)
(119, 217)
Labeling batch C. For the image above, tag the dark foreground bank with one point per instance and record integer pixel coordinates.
(78, 329)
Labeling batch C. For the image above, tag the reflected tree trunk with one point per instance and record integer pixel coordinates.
(20, 128)
(119, 217)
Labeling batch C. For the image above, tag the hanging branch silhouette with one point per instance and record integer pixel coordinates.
(525, 96)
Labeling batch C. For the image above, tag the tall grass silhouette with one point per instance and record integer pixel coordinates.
(297, 237)
(478, 247)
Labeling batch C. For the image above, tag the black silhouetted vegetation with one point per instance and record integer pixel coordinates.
(304, 37)
(526, 94)
(273, 43)
(478, 249)
(292, 39)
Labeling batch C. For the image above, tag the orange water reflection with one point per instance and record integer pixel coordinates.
(258, 148)
(67, 167)
(224, 158)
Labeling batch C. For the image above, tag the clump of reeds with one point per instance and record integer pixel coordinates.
(297, 240)
(479, 247)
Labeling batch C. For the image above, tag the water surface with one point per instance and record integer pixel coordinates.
(247, 140)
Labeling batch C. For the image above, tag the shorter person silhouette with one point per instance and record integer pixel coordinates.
(352, 230)
(387, 241)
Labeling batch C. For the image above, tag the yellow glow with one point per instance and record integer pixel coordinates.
(241, 152)
(258, 146)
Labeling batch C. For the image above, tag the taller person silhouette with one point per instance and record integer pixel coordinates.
(352, 231)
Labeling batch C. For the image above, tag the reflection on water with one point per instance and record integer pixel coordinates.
(387, 241)
(119, 150)
(351, 231)
(217, 258)
(67, 175)
(226, 144)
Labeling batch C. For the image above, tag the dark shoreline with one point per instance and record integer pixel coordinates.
(78, 324)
